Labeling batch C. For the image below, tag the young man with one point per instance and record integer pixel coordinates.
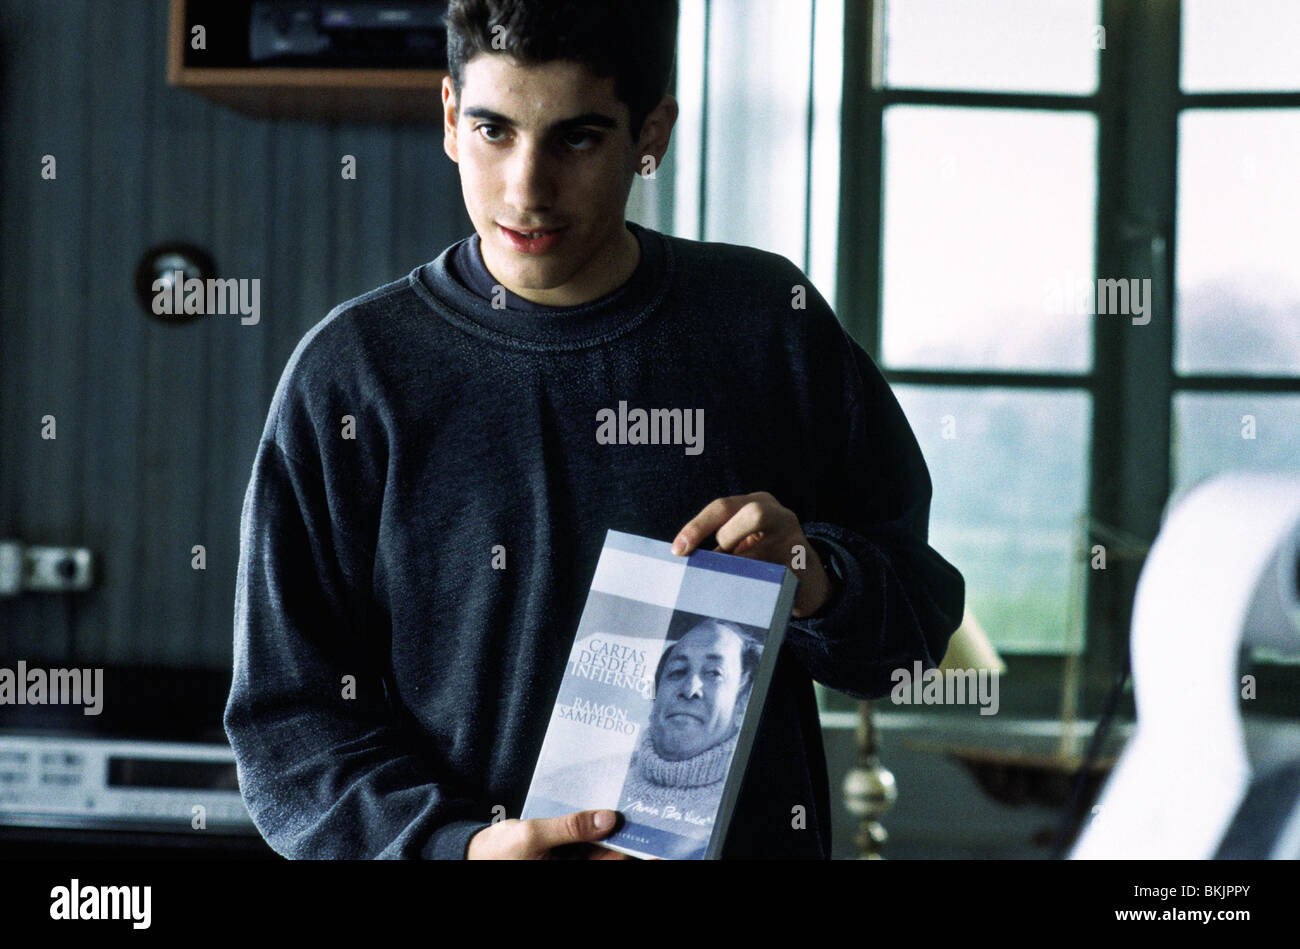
(433, 486)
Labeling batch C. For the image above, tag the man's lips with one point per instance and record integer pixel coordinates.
(694, 718)
(534, 243)
(527, 231)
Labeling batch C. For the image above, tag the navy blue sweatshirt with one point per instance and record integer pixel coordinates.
(392, 687)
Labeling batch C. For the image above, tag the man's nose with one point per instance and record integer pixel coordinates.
(692, 687)
(530, 179)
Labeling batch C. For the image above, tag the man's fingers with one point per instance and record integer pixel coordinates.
(752, 518)
(548, 833)
(749, 542)
(715, 514)
(761, 546)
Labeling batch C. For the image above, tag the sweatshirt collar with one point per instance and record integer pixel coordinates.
(551, 328)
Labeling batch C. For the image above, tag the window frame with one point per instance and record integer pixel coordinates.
(1132, 383)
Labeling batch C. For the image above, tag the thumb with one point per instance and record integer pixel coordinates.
(574, 828)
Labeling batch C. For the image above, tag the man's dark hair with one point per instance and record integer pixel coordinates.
(750, 649)
(635, 41)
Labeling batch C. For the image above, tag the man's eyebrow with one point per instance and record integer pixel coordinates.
(599, 119)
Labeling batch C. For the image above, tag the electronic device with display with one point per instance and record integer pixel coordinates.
(158, 785)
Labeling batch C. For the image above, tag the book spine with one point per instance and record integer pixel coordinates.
(753, 715)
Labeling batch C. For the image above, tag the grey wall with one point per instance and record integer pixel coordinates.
(157, 424)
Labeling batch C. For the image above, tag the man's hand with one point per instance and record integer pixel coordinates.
(757, 526)
(550, 838)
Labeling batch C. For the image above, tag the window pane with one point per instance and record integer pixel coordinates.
(1010, 476)
(1214, 432)
(1236, 46)
(1238, 303)
(987, 214)
(993, 45)
(756, 167)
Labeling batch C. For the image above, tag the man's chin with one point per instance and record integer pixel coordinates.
(680, 752)
(534, 275)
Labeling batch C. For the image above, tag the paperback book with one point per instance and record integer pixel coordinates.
(662, 695)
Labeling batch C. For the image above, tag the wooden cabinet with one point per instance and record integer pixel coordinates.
(222, 72)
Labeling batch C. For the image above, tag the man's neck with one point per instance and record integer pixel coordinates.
(707, 767)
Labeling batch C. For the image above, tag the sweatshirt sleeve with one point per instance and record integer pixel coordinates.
(900, 601)
(324, 766)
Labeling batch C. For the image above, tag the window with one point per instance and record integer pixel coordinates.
(755, 158)
(1237, 313)
(1068, 238)
(1065, 229)
(989, 132)
(974, 200)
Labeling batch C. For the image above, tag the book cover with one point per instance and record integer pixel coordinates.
(662, 695)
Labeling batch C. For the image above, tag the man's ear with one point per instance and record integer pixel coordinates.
(450, 143)
(656, 133)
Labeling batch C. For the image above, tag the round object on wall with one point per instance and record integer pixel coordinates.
(156, 279)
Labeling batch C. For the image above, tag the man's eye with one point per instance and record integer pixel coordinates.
(582, 137)
(493, 127)
(716, 673)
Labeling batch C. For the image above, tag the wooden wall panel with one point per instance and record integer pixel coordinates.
(242, 151)
(157, 423)
(174, 417)
(108, 328)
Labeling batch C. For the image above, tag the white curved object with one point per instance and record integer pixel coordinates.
(1221, 575)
